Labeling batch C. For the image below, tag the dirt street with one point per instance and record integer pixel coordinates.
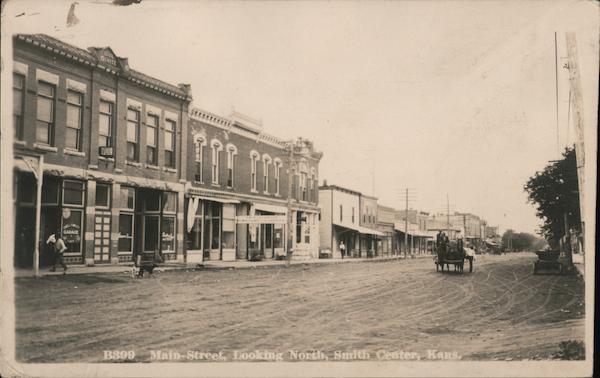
(500, 311)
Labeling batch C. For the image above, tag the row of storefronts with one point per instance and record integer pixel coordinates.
(130, 168)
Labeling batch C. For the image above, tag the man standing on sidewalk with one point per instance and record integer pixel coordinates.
(342, 249)
(59, 249)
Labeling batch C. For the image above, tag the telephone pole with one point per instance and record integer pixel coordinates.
(290, 240)
(575, 80)
(408, 195)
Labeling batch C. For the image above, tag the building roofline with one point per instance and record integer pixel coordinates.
(88, 57)
(341, 189)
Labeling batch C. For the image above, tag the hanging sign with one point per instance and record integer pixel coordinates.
(261, 219)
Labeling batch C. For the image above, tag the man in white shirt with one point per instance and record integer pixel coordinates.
(59, 249)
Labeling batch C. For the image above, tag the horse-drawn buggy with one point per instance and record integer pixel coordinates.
(452, 253)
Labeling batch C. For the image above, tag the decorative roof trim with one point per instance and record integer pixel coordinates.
(85, 57)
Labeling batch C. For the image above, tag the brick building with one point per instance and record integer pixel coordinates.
(114, 151)
(237, 192)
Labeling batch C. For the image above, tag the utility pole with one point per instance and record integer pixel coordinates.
(448, 212)
(39, 175)
(575, 80)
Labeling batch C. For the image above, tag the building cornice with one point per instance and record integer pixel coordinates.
(87, 58)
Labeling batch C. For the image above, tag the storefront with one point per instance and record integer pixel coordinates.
(210, 229)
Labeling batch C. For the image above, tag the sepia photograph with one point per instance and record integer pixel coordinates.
(298, 188)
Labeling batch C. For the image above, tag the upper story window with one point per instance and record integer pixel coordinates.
(74, 119)
(170, 138)
(341, 214)
(303, 185)
(18, 92)
(45, 113)
(253, 169)
(277, 175)
(200, 143)
(151, 139)
(266, 168)
(133, 134)
(353, 214)
(231, 152)
(105, 125)
(216, 147)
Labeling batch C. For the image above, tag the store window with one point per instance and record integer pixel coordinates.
(152, 200)
(105, 126)
(18, 92)
(169, 202)
(151, 139)
(228, 226)
(73, 193)
(126, 219)
(133, 134)
(72, 222)
(103, 195)
(306, 228)
(74, 119)
(194, 236)
(45, 113)
(168, 234)
(170, 138)
(125, 243)
(127, 198)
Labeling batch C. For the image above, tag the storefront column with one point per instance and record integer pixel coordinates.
(90, 212)
(180, 228)
(114, 235)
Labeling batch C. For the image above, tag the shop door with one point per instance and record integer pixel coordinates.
(50, 222)
(24, 237)
(102, 236)
(267, 240)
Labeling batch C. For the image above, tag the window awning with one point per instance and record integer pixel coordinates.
(215, 199)
(362, 230)
(270, 208)
(399, 226)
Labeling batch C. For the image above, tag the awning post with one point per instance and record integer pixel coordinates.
(38, 214)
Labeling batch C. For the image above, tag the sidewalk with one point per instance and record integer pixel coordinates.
(206, 265)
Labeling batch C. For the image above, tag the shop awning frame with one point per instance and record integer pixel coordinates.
(215, 199)
(360, 229)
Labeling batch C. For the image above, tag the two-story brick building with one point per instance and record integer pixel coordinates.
(239, 193)
(114, 146)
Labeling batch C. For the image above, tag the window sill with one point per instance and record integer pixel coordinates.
(44, 147)
(153, 167)
(172, 170)
(253, 191)
(215, 185)
(20, 142)
(267, 193)
(133, 163)
(68, 151)
(109, 159)
(199, 182)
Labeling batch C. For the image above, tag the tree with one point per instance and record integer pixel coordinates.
(521, 241)
(554, 192)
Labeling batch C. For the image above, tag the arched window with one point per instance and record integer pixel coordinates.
(303, 180)
(231, 152)
(216, 148)
(277, 175)
(266, 167)
(200, 144)
(314, 189)
(254, 156)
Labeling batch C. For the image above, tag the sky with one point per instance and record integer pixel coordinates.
(454, 100)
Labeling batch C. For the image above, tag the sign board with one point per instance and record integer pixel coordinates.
(261, 219)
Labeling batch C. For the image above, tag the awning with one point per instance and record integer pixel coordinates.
(270, 208)
(399, 226)
(362, 230)
(215, 199)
